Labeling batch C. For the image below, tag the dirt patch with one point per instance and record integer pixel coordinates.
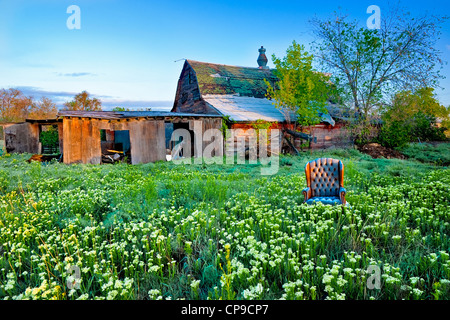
(376, 151)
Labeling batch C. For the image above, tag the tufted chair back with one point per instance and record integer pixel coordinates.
(325, 177)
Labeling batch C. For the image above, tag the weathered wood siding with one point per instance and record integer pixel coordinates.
(148, 141)
(213, 142)
(205, 134)
(81, 139)
(328, 136)
(245, 136)
(22, 137)
(187, 97)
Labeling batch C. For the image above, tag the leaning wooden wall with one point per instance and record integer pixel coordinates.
(148, 141)
(22, 137)
(212, 139)
(81, 141)
(206, 142)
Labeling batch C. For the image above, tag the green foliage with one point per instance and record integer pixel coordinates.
(49, 138)
(300, 89)
(425, 129)
(412, 117)
(408, 103)
(261, 124)
(362, 132)
(4, 181)
(394, 134)
(226, 122)
(167, 231)
(369, 64)
(428, 153)
(83, 101)
(120, 109)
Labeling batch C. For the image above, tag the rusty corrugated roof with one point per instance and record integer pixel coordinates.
(224, 79)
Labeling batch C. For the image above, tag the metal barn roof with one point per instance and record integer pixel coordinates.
(245, 108)
(250, 109)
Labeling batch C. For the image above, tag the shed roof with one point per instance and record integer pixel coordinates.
(43, 121)
(225, 79)
(114, 115)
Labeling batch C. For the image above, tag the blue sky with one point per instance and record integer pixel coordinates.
(125, 51)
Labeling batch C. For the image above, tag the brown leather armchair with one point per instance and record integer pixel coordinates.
(325, 181)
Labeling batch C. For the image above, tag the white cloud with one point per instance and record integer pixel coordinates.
(76, 74)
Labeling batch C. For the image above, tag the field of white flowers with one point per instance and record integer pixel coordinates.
(165, 231)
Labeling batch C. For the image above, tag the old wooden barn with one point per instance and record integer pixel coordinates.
(238, 93)
(101, 136)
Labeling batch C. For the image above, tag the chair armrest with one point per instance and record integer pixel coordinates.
(307, 193)
(342, 193)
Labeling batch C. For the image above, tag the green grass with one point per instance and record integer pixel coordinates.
(427, 153)
(161, 230)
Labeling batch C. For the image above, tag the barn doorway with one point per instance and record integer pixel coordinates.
(179, 146)
(49, 139)
(115, 145)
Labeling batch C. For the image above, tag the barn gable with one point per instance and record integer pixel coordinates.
(200, 83)
(188, 97)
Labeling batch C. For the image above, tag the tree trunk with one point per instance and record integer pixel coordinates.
(301, 135)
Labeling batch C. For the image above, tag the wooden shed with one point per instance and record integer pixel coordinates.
(142, 136)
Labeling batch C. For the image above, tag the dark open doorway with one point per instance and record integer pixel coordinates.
(115, 146)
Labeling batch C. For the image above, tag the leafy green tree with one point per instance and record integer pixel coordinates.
(407, 103)
(300, 91)
(82, 101)
(120, 109)
(368, 65)
(412, 116)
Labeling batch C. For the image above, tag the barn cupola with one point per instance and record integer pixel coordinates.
(262, 59)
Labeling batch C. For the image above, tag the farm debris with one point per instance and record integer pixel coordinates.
(111, 158)
(375, 150)
(44, 158)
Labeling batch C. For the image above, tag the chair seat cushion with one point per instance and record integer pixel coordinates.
(324, 200)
